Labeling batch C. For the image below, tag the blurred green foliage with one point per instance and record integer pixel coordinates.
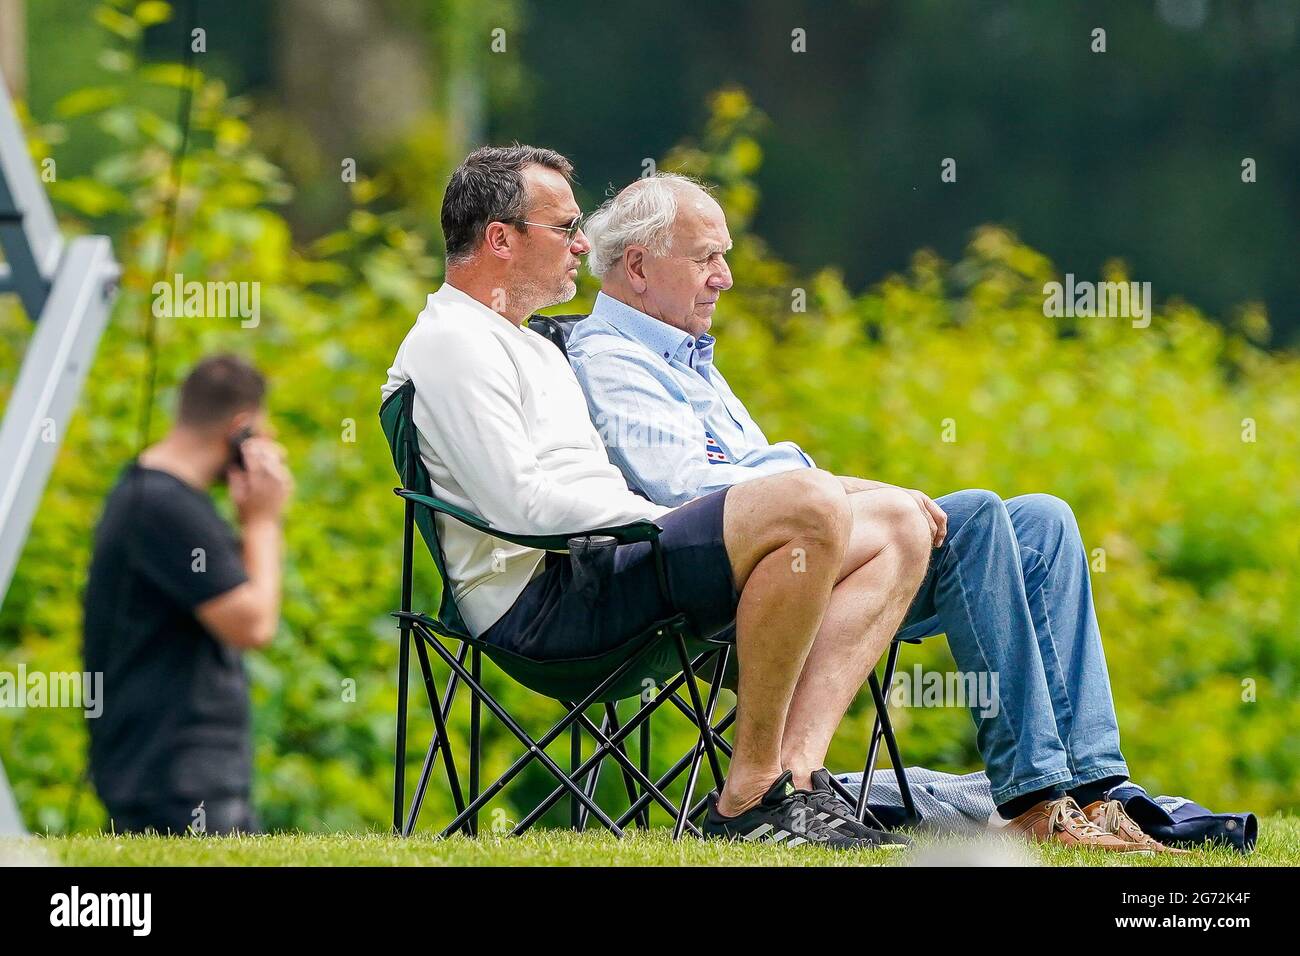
(1141, 430)
(1135, 152)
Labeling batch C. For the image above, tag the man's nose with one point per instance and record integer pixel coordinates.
(721, 279)
(580, 244)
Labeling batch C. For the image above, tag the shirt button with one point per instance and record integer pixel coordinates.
(690, 345)
(665, 355)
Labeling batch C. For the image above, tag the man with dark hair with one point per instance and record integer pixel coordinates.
(504, 433)
(171, 602)
(218, 387)
(487, 187)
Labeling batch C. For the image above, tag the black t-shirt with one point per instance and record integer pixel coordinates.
(175, 720)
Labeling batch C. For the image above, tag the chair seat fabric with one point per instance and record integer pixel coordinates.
(574, 678)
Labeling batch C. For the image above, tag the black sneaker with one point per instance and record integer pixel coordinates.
(838, 815)
(783, 816)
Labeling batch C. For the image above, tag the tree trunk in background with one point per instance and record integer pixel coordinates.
(464, 103)
(353, 77)
(13, 47)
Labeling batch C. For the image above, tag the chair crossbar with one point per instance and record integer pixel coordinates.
(435, 748)
(534, 749)
(636, 720)
(616, 751)
(674, 772)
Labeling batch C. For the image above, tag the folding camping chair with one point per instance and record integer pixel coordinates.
(669, 647)
(666, 648)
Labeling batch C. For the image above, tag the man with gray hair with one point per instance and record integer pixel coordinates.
(1008, 581)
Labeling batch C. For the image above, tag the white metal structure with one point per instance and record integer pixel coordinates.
(67, 290)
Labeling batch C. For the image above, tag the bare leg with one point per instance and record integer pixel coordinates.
(884, 565)
(786, 536)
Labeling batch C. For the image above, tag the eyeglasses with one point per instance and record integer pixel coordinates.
(569, 231)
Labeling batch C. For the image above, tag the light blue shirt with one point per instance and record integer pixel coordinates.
(667, 416)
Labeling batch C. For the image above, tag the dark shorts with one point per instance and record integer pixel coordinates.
(584, 604)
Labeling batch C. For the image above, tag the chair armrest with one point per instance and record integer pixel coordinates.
(623, 534)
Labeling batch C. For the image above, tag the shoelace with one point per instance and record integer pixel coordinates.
(834, 804)
(829, 803)
(1113, 817)
(1065, 809)
(810, 828)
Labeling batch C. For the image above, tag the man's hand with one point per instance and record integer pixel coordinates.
(933, 514)
(261, 488)
(247, 616)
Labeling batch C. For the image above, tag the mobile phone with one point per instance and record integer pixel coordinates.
(237, 446)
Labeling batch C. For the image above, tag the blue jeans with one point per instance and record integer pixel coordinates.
(1010, 588)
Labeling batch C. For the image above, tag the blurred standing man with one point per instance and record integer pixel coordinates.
(172, 601)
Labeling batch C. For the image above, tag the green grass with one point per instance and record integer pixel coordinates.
(1279, 845)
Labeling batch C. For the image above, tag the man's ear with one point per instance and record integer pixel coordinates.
(239, 421)
(497, 239)
(634, 266)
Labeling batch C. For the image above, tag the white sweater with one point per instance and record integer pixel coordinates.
(505, 433)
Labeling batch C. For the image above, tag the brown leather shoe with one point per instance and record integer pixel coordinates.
(1109, 815)
(1061, 821)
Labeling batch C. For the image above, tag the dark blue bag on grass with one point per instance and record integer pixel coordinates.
(1177, 821)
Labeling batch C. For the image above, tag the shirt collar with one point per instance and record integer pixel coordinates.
(448, 293)
(659, 337)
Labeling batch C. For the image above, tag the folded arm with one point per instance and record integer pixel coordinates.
(651, 431)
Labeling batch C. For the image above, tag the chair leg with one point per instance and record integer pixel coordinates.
(887, 730)
(904, 786)
(575, 758)
(873, 748)
(692, 775)
(440, 727)
(715, 690)
(900, 772)
(404, 827)
(716, 732)
(588, 781)
(403, 668)
(851, 799)
(612, 725)
(431, 754)
(702, 719)
(593, 777)
(475, 727)
(645, 771)
(705, 722)
(718, 740)
(869, 768)
(399, 773)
